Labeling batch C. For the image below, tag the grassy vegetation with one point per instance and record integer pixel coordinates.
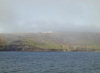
(2, 44)
(50, 42)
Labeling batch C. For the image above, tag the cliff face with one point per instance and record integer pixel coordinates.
(65, 41)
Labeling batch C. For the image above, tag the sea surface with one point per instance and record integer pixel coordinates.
(49, 62)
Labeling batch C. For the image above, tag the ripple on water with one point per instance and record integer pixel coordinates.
(49, 62)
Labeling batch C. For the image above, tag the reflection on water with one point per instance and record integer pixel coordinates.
(49, 62)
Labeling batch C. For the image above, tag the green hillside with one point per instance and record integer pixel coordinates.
(62, 41)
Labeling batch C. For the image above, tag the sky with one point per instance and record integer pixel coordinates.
(49, 15)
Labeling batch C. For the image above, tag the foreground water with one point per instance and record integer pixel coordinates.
(49, 62)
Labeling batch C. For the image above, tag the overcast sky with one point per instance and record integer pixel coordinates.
(49, 15)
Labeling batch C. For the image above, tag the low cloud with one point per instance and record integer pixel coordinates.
(49, 15)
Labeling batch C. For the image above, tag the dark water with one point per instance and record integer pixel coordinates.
(49, 62)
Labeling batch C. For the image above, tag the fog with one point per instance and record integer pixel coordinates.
(49, 15)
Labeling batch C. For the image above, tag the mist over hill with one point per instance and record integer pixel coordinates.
(51, 41)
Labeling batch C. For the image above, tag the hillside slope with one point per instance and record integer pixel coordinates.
(57, 41)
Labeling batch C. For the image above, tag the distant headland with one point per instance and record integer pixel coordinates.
(50, 41)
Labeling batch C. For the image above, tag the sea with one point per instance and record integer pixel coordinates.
(49, 62)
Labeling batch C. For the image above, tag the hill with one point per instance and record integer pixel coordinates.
(55, 41)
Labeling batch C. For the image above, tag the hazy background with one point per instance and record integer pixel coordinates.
(49, 15)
